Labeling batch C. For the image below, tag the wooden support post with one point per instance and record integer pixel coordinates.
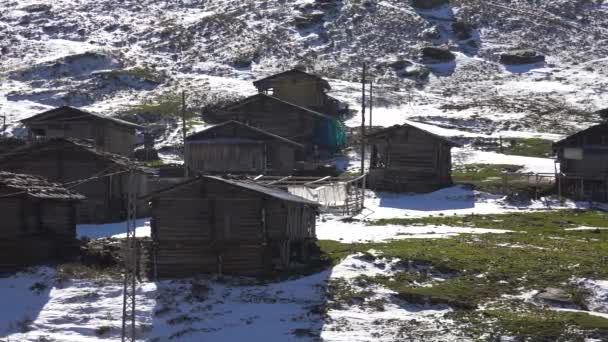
(363, 76)
(184, 134)
(371, 102)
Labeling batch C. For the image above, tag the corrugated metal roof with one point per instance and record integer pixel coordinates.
(195, 136)
(66, 109)
(34, 186)
(272, 98)
(294, 71)
(59, 142)
(413, 125)
(270, 192)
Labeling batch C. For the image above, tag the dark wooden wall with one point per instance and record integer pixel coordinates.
(36, 231)
(106, 135)
(412, 160)
(104, 197)
(277, 118)
(267, 157)
(197, 231)
(297, 89)
(583, 160)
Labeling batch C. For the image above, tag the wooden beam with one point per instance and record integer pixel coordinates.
(278, 180)
(318, 180)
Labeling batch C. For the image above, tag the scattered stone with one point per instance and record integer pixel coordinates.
(428, 4)
(521, 57)
(462, 30)
(437, 54)
(303, 22)
(431, 33)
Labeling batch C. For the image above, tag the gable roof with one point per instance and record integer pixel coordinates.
(597, 129)
(261, 96)
(67, 113)
(201, 134)
(388, 130)
(250, 186)
(58, 143)
(36, 187)
(296, 72)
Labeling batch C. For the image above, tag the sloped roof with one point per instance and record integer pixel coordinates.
(56, 113)
(261, 96)
(117, 159)
(36, 187)
(297, 72)
(262, 190)
(597, 129)
(397, 127)
(209, 129)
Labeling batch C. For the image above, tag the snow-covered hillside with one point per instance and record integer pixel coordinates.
(106, 55)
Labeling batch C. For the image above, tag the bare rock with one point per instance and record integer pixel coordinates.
(521, 57)
(437, 54)
(428, 4)
(557, 297)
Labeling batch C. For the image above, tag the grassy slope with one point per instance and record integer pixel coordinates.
(481, 269)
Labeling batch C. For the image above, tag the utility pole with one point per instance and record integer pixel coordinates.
(130, 263)
(363, 76)
(371, 102)
(186, 172)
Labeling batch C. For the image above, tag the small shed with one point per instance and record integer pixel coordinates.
(101, 176)
(320, 134)
(38, 221)
(106, 133)
(233, 147)
(215, 225)
(583, 161)
(406, 158)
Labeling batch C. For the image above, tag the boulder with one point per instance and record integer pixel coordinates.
(400, 64)
(428, 4)
(437, 54)
(462, 30)
(556, 296)
(304, 22)
(521, 57)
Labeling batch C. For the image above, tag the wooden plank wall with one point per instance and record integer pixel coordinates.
(36, 232)
(197, 226)
(415, 161)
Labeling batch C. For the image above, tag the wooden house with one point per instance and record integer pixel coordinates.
(101, 176)
(38, 221)
(214, 225)
(302, 89)
(106, 133)
(319, 133)
(583, 162)
(405, 158)
(233, 147)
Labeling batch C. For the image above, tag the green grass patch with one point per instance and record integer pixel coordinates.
(539, 222)
(482, 172)
(469, 270)
(529, 147)
(491, 178)
(537, 324)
